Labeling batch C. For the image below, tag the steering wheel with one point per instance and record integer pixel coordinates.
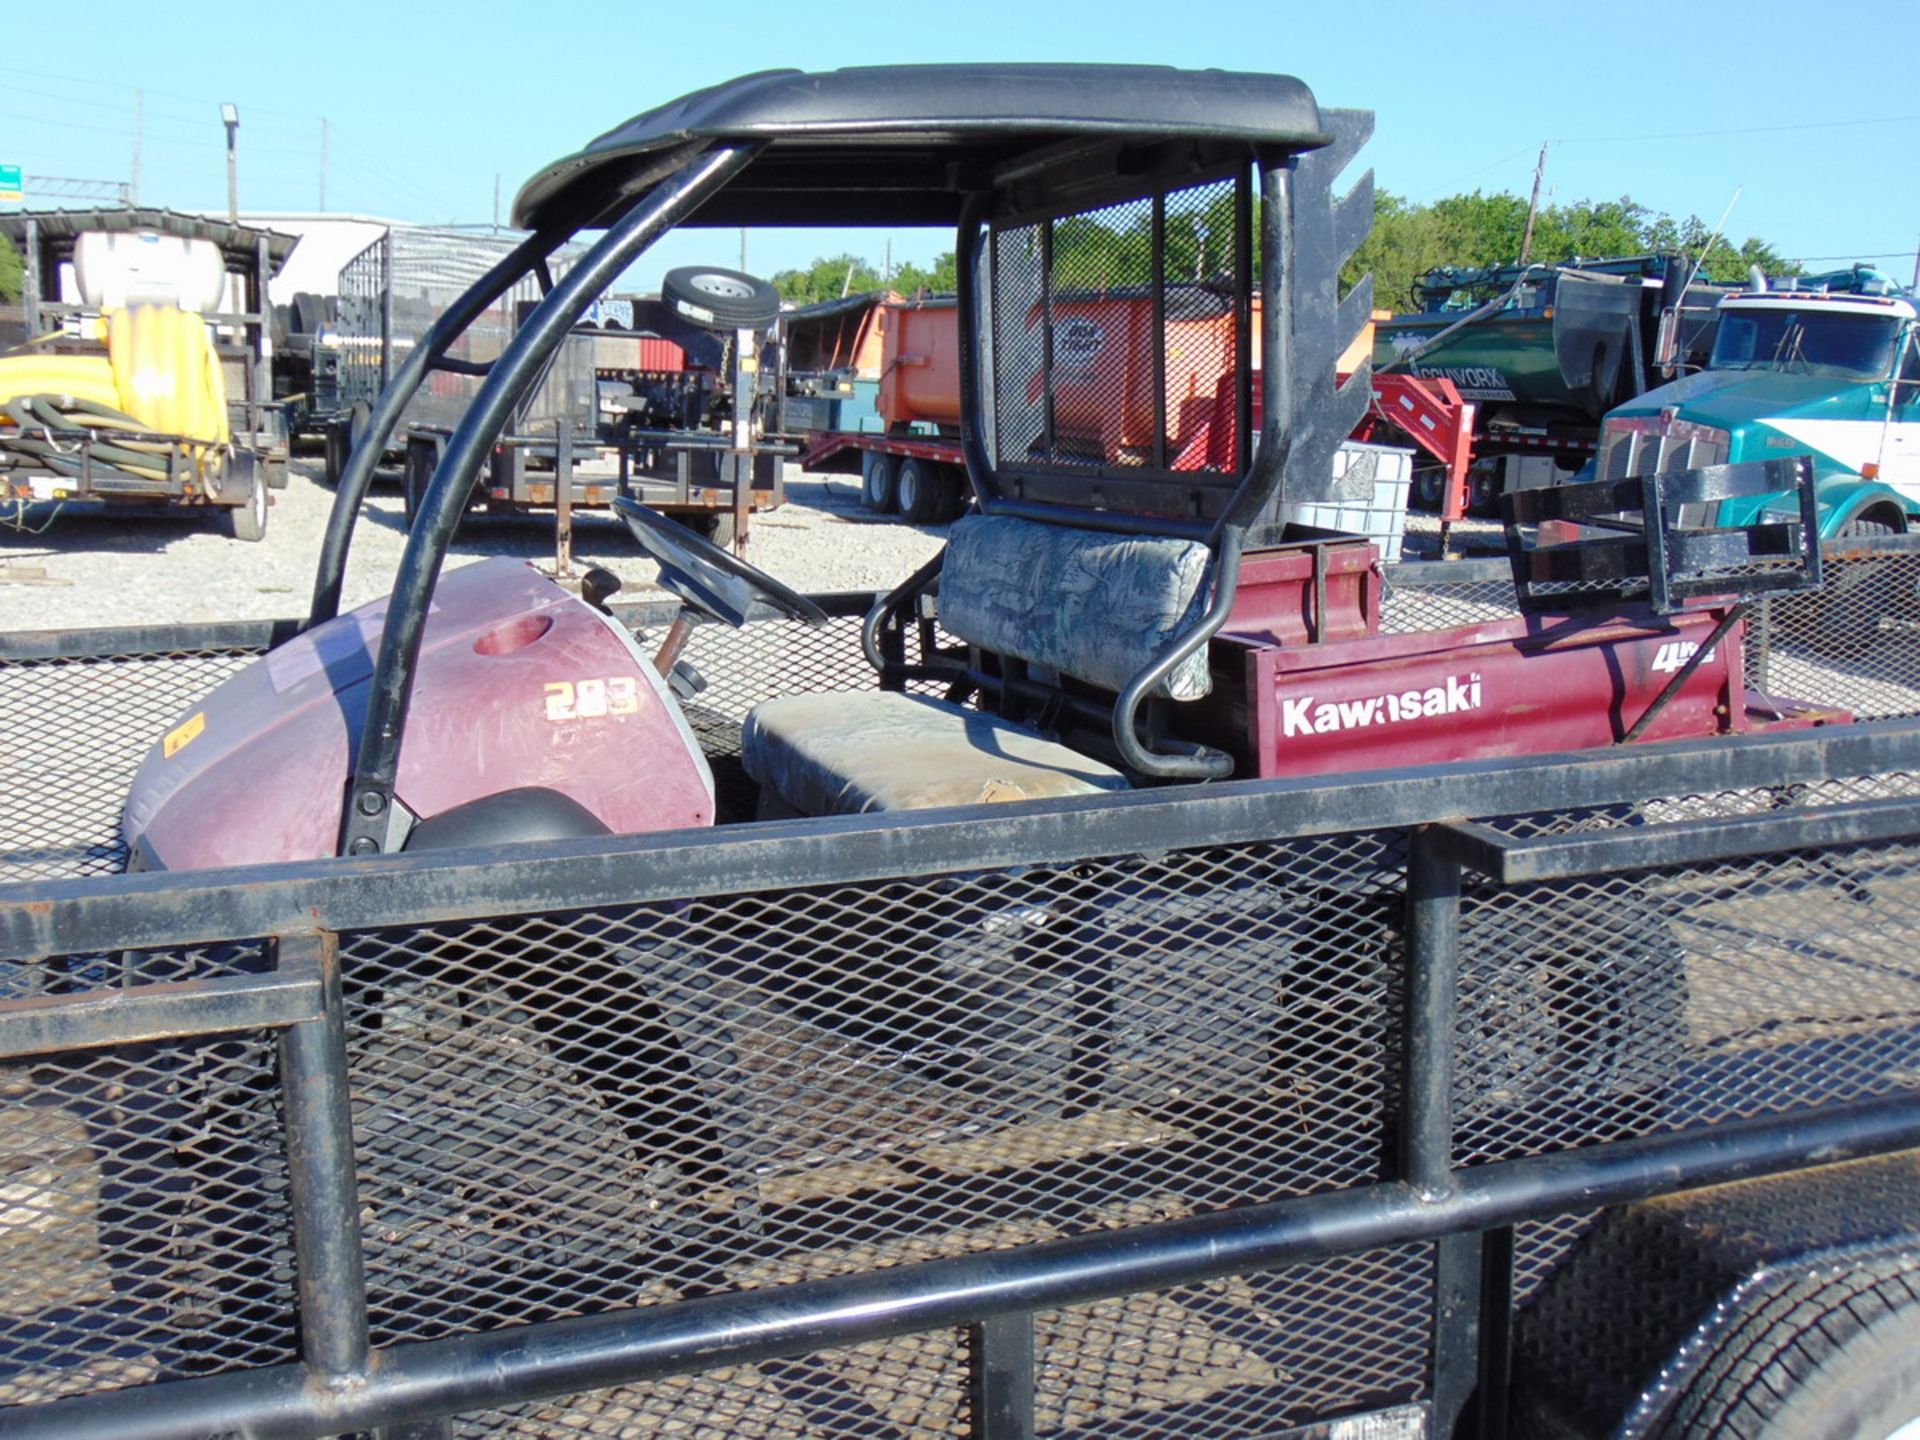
(707, 577)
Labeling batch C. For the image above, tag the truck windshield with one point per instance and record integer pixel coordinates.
(1806, 342)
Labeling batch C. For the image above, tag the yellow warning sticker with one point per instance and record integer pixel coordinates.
(183, 735)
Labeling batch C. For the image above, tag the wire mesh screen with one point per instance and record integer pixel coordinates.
(569, 1113)
(360, 342)
(908, 1387)
(78, 730)
(767, 659)
(143, 1202)
(1854, 645)
(1654, 1000)
(760, 662)
(1406, 609)
(1247, 1355)
(393, 292)
(1116, 334)
(1016, 296)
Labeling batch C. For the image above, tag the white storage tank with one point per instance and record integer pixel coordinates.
(115, 270)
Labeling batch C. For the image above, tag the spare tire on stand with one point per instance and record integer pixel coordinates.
(717, 299)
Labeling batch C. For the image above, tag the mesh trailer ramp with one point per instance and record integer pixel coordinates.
(391, 295)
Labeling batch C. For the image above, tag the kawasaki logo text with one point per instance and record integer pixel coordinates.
(1305, 716)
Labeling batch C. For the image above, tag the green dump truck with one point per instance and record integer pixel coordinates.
(1541, 353)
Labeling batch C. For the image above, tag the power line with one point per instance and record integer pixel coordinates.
(120, 130)
(1745, 130)
(1861, 255)
(187, 129)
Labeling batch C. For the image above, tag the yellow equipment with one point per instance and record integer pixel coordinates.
(160, 375)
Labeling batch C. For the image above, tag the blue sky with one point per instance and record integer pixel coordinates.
(1808, 113)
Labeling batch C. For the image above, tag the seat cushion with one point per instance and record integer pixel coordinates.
(1095, 606)
(880, 750)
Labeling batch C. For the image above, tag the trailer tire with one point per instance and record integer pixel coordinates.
(1559, 1013)
(1483, 488)
(879, 482)
(717, 299)
(718, 527)
(1827, 1357)
(359, 421)
(953, 493)
(423, 458)
(1429, 487)
(248, 519)
(921, 493)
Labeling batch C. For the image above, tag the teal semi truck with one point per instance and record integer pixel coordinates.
(1829, 369)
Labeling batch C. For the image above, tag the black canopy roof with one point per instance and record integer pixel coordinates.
(901, 144)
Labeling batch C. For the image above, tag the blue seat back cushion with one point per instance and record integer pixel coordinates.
(1097, 607)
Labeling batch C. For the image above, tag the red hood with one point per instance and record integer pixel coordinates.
(519, 684)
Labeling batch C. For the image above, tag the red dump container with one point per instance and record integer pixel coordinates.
(1103, 363)
(920, 363)
(1103, 351)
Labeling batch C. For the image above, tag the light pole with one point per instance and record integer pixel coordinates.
(230, 117)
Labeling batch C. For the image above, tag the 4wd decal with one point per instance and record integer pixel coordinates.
(1306, 715)
(1675, 653)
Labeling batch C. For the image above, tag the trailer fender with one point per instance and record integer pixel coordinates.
(1722, 1311)
(628, 1099)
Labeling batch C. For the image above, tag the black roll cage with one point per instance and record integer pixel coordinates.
(669, 189)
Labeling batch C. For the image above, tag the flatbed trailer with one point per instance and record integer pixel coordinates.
(1228, 1090)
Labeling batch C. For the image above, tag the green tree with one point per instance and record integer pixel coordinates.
(832, 276)
(1475, 230)
(827, 278)
(12, 274)
(940, 278)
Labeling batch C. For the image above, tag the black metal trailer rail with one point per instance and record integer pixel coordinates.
(138, 1023)
(1130, 1115)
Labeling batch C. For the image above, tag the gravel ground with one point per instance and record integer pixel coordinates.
(178, 567)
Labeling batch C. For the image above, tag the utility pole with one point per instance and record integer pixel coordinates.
(323, 164)
(1916, 268)
(139, 119)
(496, 199)
(230, 117)
(743, 249)
(1533, 205)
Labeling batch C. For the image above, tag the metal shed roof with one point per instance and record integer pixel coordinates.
(59, 229)
(902, 144)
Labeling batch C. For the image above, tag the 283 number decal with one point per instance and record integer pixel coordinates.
(591, 699)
